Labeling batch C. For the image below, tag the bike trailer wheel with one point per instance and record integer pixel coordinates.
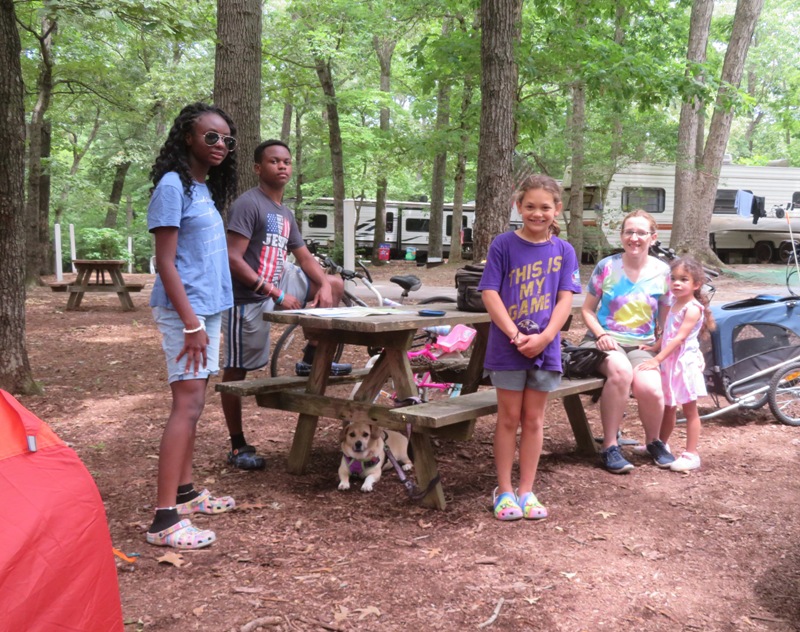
(784, 395)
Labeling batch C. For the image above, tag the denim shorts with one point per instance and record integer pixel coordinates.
(534, 379)
(172, 338)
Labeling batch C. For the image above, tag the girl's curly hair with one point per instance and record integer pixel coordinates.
(174, 156)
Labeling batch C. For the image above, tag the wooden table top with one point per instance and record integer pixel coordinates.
(402, 318)
(99, 263)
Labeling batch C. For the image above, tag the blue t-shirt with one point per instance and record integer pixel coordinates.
(528, 278)
(202, 253)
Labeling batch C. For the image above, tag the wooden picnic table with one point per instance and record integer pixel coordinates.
(393, 332)
(99, 268)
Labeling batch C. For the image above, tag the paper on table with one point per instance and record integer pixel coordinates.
(344, 312)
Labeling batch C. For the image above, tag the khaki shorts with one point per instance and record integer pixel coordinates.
(635, 355)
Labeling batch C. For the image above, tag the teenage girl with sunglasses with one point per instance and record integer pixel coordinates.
(193, 176)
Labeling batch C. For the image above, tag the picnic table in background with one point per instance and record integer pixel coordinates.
(87, 268)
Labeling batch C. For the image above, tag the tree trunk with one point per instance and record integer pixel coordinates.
(15, 370)
(439, 161)
(384, 50)
(35, 248)
(500, 32)
(286, 125)
(237, 79)
(48, 256)
(575, 204)
(116, 194)
(323, 68)
(461, 170)
(707, 179)
(689, 134)
(297, 166)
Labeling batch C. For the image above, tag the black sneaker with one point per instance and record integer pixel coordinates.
(246, 459)
(660, 453)
(303, 369)
(614, 462)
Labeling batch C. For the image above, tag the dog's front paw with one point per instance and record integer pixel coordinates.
(366, 486)
(344, 485)
(408, 466)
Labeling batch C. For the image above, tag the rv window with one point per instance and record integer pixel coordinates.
(651, 200)
(417, 225)
(724, 202)
(318, 220)
(589, 195)
(389, 222)
(449, 224)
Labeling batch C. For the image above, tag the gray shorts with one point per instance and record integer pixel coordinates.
(172, 340)
(635, 355)
(246, 331)
(534, 379)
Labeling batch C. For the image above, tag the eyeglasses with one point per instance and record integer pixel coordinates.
(638, 233)
(212, 138)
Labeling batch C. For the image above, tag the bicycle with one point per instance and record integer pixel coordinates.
(288, 349)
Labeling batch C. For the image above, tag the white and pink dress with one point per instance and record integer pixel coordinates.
(682, 372)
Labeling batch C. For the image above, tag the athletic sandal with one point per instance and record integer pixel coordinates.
(505, 506)
(207, 504)
(532, 509)
(182, 535)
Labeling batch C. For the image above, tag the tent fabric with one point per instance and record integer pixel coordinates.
(57, 570)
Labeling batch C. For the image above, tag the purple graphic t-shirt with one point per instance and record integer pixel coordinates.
(528, 278)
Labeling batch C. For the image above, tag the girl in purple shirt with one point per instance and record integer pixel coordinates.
(527, 285)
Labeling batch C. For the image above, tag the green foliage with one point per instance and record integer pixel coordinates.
(102, 243)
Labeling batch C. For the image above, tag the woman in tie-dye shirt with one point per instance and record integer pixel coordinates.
(626, 299)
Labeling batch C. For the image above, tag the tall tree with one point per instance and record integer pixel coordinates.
(384, 49)
(500, 21)
(237, 77)
(691, 233)
(36, 246)
(15, 370)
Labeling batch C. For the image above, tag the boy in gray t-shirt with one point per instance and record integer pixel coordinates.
(261, 234)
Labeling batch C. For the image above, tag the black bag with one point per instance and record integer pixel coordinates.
(468, 297)
(581, 362)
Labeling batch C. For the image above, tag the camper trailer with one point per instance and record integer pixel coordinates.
(651, 186)
(407, 226)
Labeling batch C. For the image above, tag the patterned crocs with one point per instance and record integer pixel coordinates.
(182, 535)
(505, 506)
(532, 509)
(207, 504)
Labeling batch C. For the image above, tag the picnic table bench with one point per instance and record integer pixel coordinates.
(84, 283)
(452, 418)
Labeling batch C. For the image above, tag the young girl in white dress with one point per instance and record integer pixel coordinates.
(680, 358)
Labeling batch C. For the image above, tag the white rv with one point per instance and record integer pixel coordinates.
(651, 186)
(407, 225)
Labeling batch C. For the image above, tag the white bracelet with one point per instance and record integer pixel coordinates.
(202, 327)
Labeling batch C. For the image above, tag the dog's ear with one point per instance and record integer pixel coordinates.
(375, 431)
(343, 433)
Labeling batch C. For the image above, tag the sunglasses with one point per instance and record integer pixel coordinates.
(212, 138)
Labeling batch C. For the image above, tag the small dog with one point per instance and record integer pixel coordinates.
(364, 455)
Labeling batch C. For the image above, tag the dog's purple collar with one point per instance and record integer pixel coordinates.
(357, 467)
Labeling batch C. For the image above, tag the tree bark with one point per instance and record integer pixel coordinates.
(439, 161)
(15, 370)
(689, 134)
(47, 254)
(323, 68)
(237, 79)
(575, 204)
(384, 49)
(297, 166)
(707, 179)
(500, 32)
(286, 125)
(460, 182)
(116, 194)
(35, 248)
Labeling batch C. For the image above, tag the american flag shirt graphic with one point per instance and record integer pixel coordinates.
(273, 248)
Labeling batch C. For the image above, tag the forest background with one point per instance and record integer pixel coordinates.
(444, 100)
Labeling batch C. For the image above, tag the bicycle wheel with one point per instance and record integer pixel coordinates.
(784, 395)
(792, 280)
(289, 351)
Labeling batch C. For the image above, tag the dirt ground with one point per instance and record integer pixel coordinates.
(715, 549)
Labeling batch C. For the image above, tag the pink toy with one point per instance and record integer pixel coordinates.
(459, 339)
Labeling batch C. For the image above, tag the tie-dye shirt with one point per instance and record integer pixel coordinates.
(627, 310)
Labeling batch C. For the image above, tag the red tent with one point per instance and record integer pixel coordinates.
(57, 570)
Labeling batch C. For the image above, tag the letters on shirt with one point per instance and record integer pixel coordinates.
(530, 281)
